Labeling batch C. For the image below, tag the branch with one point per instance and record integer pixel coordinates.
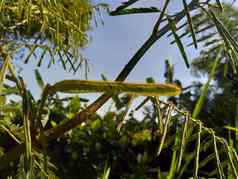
(135, 11)
(157, 24)
(124, 5)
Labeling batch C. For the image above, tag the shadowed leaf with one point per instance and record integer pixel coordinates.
(178, 41)
(39, 79)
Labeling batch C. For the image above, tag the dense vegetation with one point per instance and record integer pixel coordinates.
(62, 137)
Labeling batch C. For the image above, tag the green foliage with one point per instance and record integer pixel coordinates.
(3, 71)
(53, 29)
(39, 79)
(178, 42)
(220, 104)
(231, 128)
(67, 19)
(205, 88)
(166, 142)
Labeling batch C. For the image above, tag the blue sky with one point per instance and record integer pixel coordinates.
(114, 43)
